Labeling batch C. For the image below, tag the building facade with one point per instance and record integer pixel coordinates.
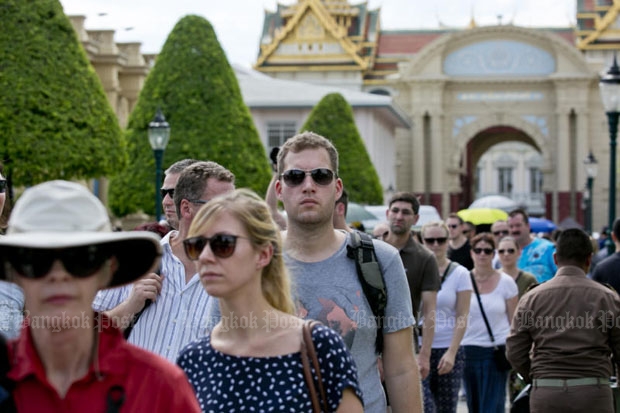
(499, 109)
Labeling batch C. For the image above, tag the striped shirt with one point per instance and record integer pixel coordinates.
(175, 319)
(11, 309)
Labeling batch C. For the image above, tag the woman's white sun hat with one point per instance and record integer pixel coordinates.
(62, 214)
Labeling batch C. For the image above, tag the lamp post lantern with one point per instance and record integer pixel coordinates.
(610, 94)
(159, 134)
(591, 166)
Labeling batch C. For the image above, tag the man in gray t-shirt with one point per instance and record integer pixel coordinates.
(326, 281)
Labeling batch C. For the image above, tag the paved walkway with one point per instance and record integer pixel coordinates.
(462, 407)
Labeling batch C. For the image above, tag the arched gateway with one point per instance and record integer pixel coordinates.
(469, 90)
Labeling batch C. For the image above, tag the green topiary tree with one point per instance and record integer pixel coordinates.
(332, 117)
(55, 119)
(197, 91)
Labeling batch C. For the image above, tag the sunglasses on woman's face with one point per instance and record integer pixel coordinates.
(506, 251)
(295, 177)
(487, 251)
(2, 186)
(222, 245)
(439, 240)
(34, 263)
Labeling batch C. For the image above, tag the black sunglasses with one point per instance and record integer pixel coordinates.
(440, 240)
(2, 186)
(506, 251)
(487, 251)
(498, 233)
(295, 177)
(453, 226)
(222, 245)
(166, 191)
(80, 262)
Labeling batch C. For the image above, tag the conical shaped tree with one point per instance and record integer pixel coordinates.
(197, 90)
(55, 119)
(332, 118)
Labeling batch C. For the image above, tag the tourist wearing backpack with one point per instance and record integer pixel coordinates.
(326, 279)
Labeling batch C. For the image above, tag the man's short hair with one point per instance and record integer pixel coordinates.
(520, 211)
(616, 228)
(573, 247)
(406, 197)
(193, 181)
(178, 166)
(344, 200)
(307, 140)
(455, 216)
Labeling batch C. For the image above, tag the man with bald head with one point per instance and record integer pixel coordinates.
(536, 253)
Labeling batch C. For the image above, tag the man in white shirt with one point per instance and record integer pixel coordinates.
(177, 313)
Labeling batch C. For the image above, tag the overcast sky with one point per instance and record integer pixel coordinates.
(238, 23)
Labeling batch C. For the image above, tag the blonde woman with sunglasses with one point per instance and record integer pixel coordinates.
(251, 359)
(491, 309)
(509, 253)
(441, 386)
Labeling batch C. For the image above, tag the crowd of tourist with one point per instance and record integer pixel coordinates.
(209, 310)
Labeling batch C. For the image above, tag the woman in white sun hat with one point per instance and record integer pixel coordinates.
(60, 250)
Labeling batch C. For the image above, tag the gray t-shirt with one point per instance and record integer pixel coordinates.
(329, 291)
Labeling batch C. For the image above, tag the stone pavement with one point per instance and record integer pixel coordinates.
(462, 406)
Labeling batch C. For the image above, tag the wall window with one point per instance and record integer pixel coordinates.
(279, 132)
(477, 177)
(505, 180)
(536, 181)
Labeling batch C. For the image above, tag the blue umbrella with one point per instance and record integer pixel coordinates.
(541, 225)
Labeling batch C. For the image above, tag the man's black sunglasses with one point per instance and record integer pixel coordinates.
(166, 191)
(295, 177)
(2, 186)
(222, 245)
(34, 263)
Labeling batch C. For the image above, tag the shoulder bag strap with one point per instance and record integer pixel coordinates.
(447, 271)
(484, 316)
(309, 353)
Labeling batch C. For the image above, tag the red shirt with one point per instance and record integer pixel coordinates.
(150, 383)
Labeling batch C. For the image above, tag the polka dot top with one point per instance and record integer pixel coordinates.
(226, 383)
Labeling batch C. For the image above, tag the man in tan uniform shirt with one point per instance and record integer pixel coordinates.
(571, 325)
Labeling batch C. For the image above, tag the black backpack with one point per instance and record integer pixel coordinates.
(362, 251)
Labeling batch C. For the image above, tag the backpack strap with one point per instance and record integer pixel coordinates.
(362, 251)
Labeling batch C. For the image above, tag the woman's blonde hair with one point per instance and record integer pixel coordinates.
(434, 224)
(253, 213)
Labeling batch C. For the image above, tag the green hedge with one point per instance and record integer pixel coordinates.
(332, 117)
(198, 93)
(55, 119)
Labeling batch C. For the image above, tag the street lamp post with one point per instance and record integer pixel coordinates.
(591, 166)
(610, 94)
(159, 134)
